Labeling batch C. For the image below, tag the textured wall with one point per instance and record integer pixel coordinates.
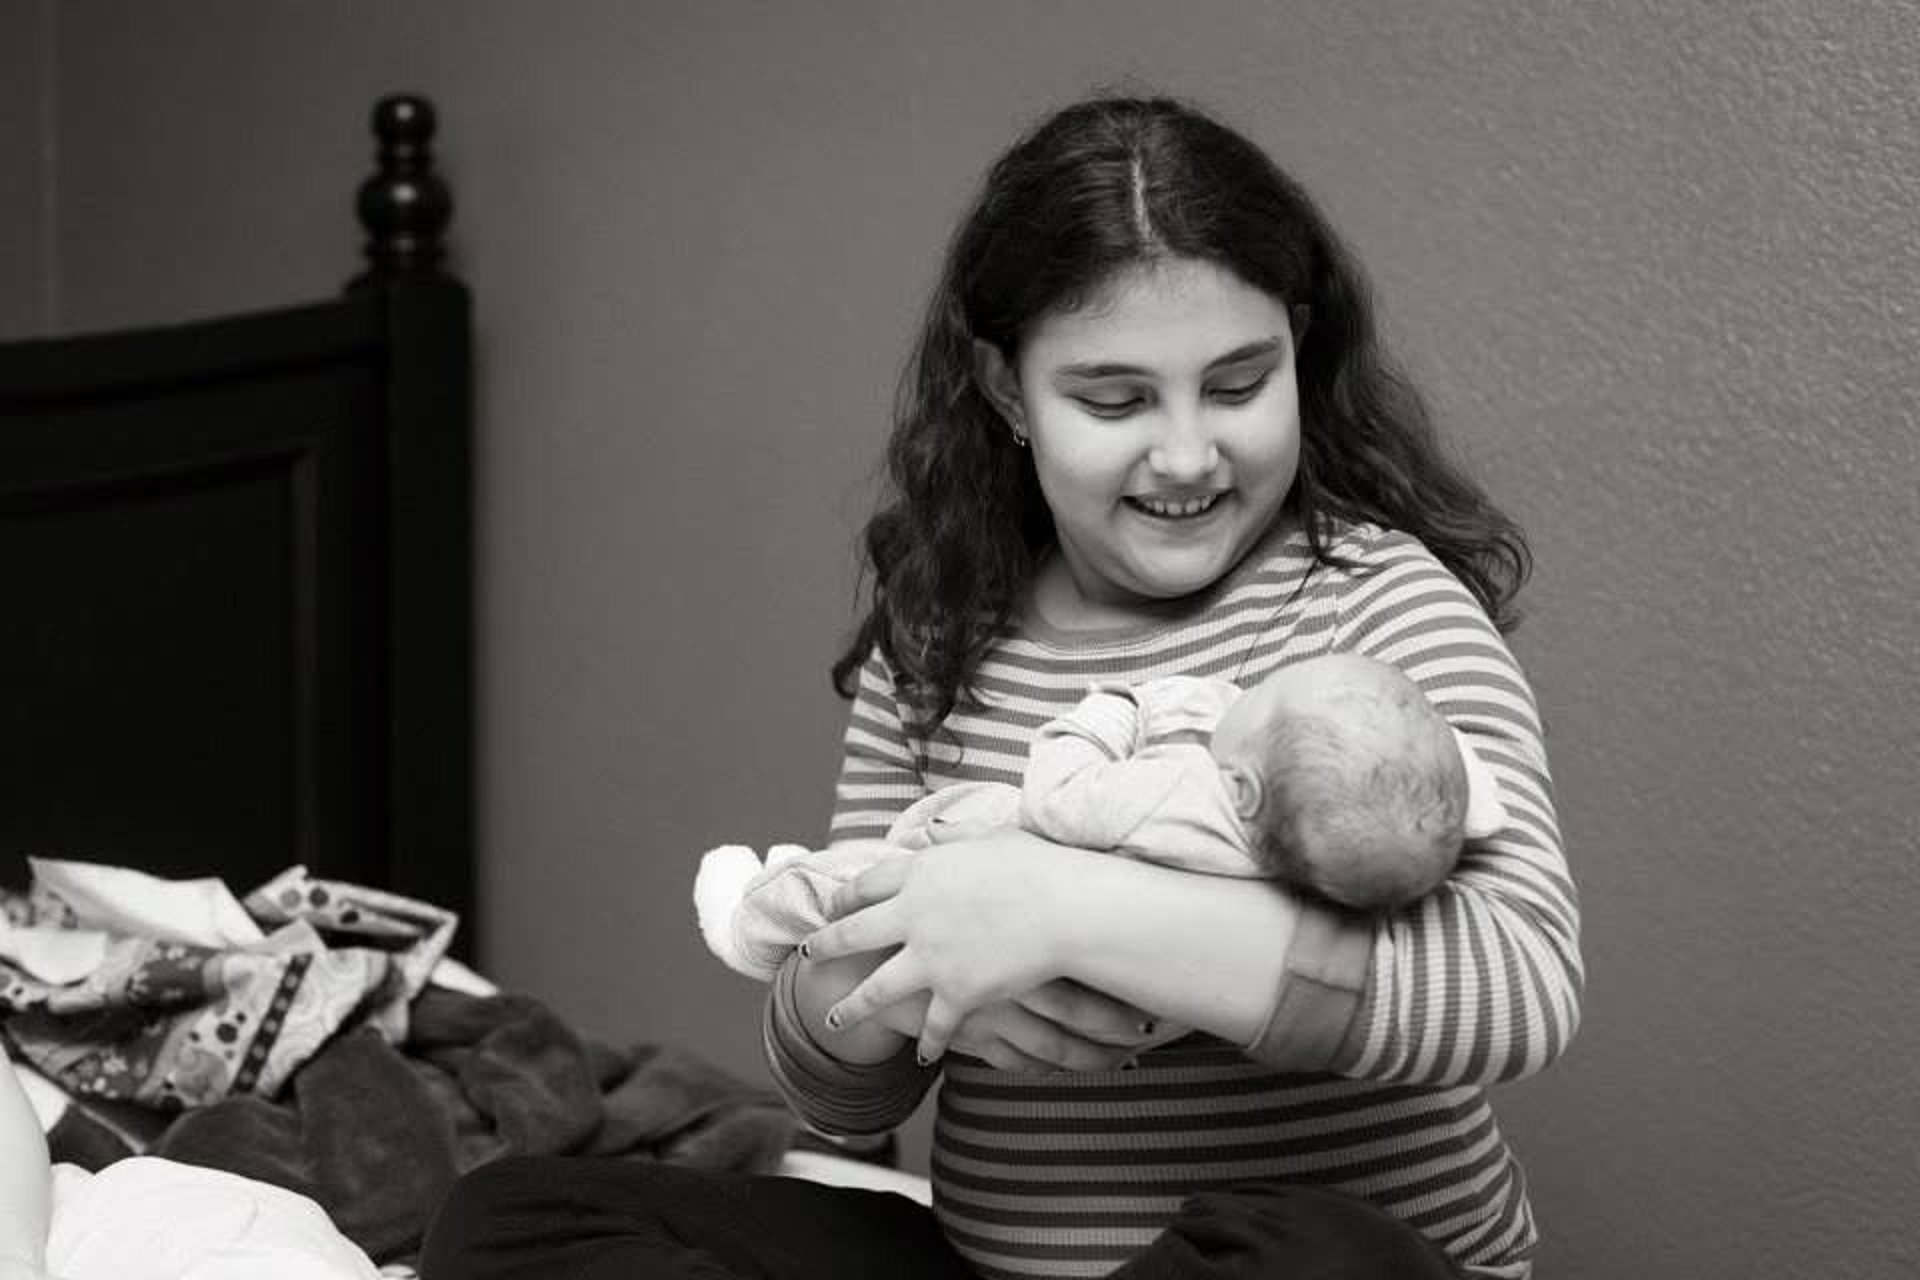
(1654, 261)
(26, 134)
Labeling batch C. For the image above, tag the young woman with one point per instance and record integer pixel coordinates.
(1149, 431)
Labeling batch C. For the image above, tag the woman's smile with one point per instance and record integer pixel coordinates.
(1174, 508)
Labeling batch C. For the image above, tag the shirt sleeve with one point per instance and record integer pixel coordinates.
(842, 1099)
(1481, 980)
(879, 777)
(879, 769)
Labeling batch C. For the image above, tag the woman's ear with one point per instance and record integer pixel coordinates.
(1001, 385)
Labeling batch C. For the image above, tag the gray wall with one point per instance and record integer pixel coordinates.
(1655, 260)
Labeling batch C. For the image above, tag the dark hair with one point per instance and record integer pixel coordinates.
(1098, 187)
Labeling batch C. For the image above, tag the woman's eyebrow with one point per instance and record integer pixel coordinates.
(1261, 347)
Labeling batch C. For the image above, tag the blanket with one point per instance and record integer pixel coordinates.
(347, 1075)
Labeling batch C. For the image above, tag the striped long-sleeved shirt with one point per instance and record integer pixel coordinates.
(1370, 1078)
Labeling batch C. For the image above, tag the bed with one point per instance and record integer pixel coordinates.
(236, 651)
(237, 557)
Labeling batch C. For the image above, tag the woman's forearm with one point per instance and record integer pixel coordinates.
(1209, 952)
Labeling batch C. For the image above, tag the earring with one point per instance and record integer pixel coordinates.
(1014, 425)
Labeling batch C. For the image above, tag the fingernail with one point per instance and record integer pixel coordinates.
(833, 1019)
(806, 950)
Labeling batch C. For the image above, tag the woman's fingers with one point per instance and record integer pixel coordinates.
(1057, 1046)
(1002, 1056)
(1089, 1013)
(936, 1033)
(870, 929)
(894, 981)
(905, 1017)
(876, 884)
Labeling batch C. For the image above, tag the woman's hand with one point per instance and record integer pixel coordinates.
(1060, 1026)
(975, 922)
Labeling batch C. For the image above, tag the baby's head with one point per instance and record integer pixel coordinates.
(1351, 783)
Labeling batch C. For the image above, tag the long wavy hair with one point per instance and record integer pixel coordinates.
(1099, 187)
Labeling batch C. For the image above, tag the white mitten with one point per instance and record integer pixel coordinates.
(753, 916)
(717, 889)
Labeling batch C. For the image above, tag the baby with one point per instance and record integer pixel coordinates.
(1334, 776)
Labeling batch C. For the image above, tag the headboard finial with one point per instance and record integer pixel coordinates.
(404, 206)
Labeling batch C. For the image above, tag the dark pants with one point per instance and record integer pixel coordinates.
(580, 1219)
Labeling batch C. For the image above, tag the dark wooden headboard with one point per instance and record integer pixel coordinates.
(235, 619)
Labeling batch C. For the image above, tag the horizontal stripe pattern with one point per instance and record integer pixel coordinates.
(1062, 1174)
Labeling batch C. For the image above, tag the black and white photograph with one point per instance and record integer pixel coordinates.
(1013, 640)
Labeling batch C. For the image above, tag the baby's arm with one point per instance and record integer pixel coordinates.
(1082, 784)
(25, 1183)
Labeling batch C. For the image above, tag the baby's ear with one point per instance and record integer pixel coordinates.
(1243, 788)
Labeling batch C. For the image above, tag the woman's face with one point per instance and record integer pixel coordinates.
(1165, 427)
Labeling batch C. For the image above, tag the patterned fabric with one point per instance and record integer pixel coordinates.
(170, 1025)
(1070, 1174)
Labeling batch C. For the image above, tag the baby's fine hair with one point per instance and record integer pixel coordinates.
(1101, 186)
(1364, 794)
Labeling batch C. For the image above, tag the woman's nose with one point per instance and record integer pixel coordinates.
(1184, 452)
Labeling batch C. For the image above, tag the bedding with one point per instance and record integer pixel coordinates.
(393, 1085)
(149, 1219)
(188, 998)
(238, 646)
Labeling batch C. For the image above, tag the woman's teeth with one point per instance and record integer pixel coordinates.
(1176, 508)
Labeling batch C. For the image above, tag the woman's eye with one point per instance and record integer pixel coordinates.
(1242, 393)
(1110, 408)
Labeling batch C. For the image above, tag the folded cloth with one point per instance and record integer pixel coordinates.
(202, 912)
(148, 1219)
